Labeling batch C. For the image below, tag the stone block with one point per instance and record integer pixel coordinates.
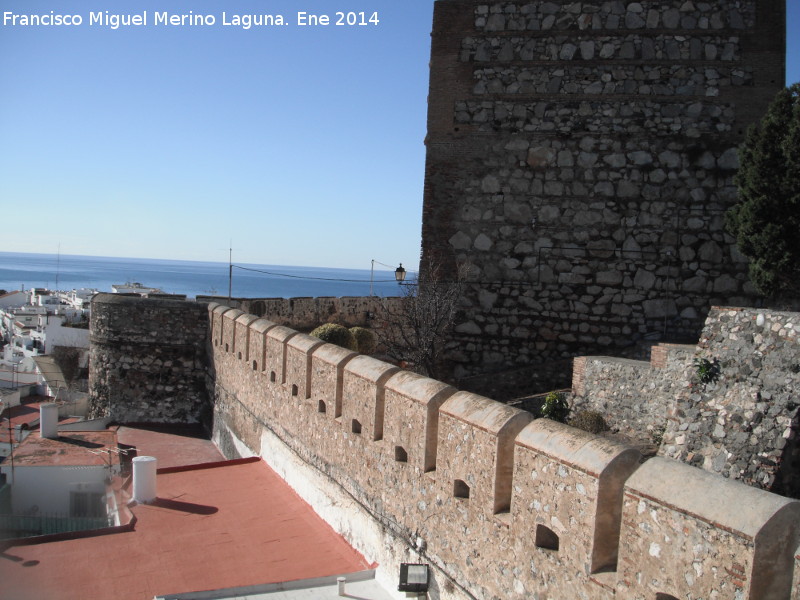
(228, 329)
(568, 493)
(275, 354)
(327, 378)
(241, 338)
(411, 424)
(363, 395)
(476, 449)
(299, 380)
(690, 533)
(257, 345)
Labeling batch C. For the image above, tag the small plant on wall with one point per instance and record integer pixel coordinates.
(555, 407)
(589, 420)
(706, 371)
(657, 434)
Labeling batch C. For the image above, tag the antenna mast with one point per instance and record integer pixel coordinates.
(230, 270)
(58, 264)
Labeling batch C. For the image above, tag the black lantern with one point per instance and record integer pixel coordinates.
(413, 578)
(400, 274)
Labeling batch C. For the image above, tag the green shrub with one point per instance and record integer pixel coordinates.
(589, 420)
(658, 434)
(365, 339)
(555, 407)
(336, 334)
(706, 371)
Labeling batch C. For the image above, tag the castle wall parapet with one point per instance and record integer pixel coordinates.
(624, 390)
(499, 504)
(571, 501)
(304, 314)
(733, 539)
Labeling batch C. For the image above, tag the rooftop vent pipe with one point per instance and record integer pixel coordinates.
(144, 479)
(48, 420)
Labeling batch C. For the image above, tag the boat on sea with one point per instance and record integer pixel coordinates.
(134, 287)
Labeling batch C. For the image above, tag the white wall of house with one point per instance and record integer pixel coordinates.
(15, 298)
(25, 373)
(57, 335)
(46, 489)
(9, 399)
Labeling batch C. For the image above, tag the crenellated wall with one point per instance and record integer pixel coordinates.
(501, 506)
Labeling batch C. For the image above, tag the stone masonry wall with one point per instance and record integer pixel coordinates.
(500, 506)
(147, 360)
(743, 424)
(580, 156)
(633, 396)
(307, 313)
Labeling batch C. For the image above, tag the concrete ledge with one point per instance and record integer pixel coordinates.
(733, 506)
(333, 355)
(419, 388)
(262, 325)
(281, 334)
(370, 369)
(579, 449)
(246, 319)
(483, 413)
(232, 315)
(219, 309)
(304, 343)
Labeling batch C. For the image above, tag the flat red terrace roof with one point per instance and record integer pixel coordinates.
(222, 525)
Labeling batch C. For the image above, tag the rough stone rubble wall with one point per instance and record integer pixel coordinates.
(633, 396)
(580, 155)
(744, 425)
(501, 507)
(147, 360)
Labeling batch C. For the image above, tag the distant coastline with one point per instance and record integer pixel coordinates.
(191, 278)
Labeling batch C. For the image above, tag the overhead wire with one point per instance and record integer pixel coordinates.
(314, 278)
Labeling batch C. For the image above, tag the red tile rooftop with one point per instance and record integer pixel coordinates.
(70, 448)
(26, 414)
(226, 525)
(173, 446)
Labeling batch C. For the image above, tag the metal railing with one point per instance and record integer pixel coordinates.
(22, 526)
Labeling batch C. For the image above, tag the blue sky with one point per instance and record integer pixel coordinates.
(304, 146)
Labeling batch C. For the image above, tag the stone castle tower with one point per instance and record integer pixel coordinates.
(580, 156)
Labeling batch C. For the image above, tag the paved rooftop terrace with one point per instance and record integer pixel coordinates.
(219, 526)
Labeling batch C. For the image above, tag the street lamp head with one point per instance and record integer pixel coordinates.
(400, 274)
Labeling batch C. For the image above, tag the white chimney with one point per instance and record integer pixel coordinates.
(48, 420)
(144, 479)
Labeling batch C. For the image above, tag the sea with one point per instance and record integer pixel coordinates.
(192, 278)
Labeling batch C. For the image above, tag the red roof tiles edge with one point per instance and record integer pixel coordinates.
(70, 535)
(211, 465)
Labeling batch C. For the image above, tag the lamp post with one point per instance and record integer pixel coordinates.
(399, 275)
